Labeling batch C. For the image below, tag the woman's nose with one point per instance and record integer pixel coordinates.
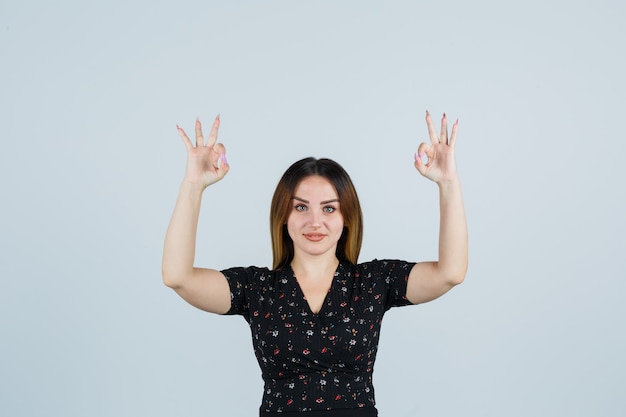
(316, 218)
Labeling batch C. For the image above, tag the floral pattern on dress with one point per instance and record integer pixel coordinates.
(324, 360)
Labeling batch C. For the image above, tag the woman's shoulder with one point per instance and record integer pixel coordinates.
(384, 267)
(252, 273)
(252, 269)
(381, 263)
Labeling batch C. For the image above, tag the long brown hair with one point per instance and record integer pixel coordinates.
(349, 244)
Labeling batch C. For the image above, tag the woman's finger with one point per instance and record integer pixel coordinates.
(214, 129)
(218, 156)
(422, 151)
(432, 133)
(219, 148)
(453, 134)
(223, 166)
(443, 134)
(184, 137)
(199, 137)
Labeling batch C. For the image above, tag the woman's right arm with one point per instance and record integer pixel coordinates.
(206, 289)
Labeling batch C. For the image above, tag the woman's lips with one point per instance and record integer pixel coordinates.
(314, 237)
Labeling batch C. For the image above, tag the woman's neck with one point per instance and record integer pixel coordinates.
(314, 267)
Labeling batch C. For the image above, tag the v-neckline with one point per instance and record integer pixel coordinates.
(326, 296)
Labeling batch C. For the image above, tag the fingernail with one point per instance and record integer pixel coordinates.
(177, 127)
(218, 116)
(415, 156)
(444, 115)
(427, 114)
(223, 158)
(419, 155)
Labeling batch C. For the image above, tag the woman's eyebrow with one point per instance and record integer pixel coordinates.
(335, 200)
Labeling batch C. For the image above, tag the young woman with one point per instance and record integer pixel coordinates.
(315, 316)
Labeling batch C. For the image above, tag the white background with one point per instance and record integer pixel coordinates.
(90, 93)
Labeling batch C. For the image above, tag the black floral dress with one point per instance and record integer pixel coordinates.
(321, 361)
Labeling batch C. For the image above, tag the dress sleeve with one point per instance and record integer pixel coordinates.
(392, 275)
(244, 284)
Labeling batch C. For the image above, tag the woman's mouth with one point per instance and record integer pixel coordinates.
(314, 237)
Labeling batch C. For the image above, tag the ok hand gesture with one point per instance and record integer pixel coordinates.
(440, 165)
(206, 163)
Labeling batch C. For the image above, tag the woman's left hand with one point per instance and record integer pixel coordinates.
(440, 165)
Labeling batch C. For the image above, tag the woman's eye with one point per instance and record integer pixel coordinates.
(300, 207)
(329, 209)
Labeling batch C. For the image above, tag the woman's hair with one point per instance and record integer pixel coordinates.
(349, 244)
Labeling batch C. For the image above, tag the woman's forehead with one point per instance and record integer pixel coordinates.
(316, 186)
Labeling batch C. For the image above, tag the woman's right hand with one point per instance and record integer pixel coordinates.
(206, 163)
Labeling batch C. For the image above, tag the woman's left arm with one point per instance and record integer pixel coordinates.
(429, 280)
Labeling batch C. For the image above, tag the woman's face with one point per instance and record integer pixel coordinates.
(315, 222)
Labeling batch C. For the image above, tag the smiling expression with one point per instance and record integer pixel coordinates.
(315, 223)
